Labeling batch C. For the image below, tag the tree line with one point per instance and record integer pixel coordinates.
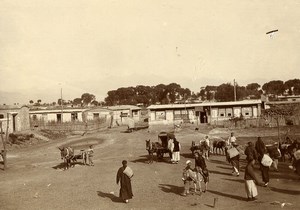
(173, 92)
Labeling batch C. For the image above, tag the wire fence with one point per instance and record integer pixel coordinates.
(90, 125)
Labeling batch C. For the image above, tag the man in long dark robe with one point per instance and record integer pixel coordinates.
(261, 150)
(125, 181)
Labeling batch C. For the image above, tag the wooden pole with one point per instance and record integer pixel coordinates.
(4, 142)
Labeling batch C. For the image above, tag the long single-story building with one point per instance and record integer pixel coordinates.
(16, 116)
(207, 112)
(56, 114)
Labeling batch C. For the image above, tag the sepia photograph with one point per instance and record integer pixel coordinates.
(153, 104)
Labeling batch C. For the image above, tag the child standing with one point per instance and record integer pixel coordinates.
(90, 154)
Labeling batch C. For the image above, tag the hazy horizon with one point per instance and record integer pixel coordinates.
(96, 46)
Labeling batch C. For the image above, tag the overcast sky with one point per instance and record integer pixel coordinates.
(96, 46)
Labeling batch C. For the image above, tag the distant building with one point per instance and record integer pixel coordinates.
(207, 112)
(16, 116)
(97, 113)
(289, 98)
(56, 114)
(121, 113)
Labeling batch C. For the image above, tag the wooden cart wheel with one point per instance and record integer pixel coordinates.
(160, 154)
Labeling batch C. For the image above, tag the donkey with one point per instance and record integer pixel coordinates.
(152, 148)
(67, 154)
(203, 147)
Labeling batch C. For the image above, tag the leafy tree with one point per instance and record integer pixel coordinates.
(31, 102)
(95, 103)
(253, 87)
(77, 101)
(293, 86)
(275, 87)
(87, 98)
(59, 102)
(225, 92)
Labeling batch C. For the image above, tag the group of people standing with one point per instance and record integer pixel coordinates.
(254, 152)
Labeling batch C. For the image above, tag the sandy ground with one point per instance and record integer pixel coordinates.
(35, 180)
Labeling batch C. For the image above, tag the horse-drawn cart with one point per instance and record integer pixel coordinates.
(164, 137)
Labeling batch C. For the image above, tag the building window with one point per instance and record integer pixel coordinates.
(135, 112)
(181, 114)
(34, 117)
(222, 112)
(160, 115)
(1, 116)
(247, 111)
(96, 116)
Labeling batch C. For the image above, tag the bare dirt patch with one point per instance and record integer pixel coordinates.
(32, 182)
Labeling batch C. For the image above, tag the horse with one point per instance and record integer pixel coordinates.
(67, 154)
(152, 147)
(219, 145)
(203, 147)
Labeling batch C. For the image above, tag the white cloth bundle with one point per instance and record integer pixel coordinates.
(128, 171)
(266, 160)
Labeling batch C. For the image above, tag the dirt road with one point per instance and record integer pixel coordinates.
(35, 179)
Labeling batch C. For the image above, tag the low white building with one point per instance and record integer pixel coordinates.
(203, 112)
(16, 116)
(121, 113)
(56, 115)
(97, 113)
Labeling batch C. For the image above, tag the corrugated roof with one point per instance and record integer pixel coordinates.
(228, 103)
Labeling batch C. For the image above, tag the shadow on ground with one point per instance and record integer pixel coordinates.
(290, 192)
(168, 188)
(63, 165)
(228, 195)
(219, 172)
(112, 197)
(235, 180)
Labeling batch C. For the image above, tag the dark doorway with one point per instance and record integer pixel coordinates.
(14, 122)
(203, 117)
(58, 117)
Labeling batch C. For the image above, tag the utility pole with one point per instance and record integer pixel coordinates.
(234, 90)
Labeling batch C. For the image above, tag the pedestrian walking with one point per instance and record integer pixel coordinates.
(124, 176)
(231, 139)
(261, 150)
